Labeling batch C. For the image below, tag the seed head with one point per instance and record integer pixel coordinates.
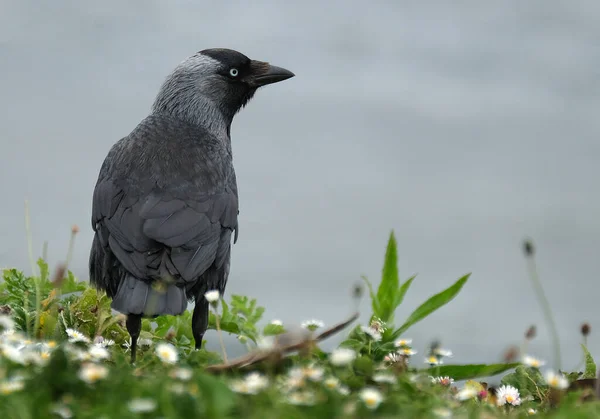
(586, 329)
(531, 332)
(528, 248)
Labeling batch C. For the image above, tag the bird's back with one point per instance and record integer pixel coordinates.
(164, 208)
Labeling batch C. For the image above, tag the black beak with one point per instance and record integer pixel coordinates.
(265, 73)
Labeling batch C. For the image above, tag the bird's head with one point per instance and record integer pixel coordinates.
(217, 78)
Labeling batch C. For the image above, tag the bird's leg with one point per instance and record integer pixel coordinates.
(134, 326)
(200, 320)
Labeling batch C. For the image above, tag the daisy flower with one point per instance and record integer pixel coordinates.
(11, 386)
(90, 373)
(277, 322)
(251, 384)
(444, 381)
(532, 362)
(331, 383)
(433, 360)
(301, 398)
(167, 353)
(407, 352)
(442, 352)
(141, 405)
(508, 395)
(372, 333)
(392, 357)
(371, 397)
(212, 296)
(98, 353)
(6, 322)
(312, 325)
(384, 378)
(403, 342)
(342, 356)
(76, 336)
(378, 325)
(183, 374)
(555, 380)
(466, 393)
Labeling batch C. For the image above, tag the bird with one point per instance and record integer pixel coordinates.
(165, 205)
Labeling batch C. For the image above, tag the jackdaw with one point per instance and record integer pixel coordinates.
(165, 205)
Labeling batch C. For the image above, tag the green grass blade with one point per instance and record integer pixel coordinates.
(590, 365)
(402, 291)
(374, 301)
(386, 293)
(431, 305)
(469, 371)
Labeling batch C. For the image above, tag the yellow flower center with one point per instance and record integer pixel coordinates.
(51, 344)
(371, 401)
(510, 399)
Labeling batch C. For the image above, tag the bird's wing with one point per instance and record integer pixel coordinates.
(155, 228)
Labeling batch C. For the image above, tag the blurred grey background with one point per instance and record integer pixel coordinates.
(464, 126)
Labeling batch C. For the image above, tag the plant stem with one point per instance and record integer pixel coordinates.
(36, 279)
(546, 309)
(218, 324)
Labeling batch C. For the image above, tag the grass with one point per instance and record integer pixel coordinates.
(63, 353)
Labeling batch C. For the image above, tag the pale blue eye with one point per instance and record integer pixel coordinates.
(233, 72)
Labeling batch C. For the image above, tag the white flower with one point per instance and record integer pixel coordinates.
(371, 397)
(531, 411)
(403, 342)
(251, 384)
(392, 357)
(312, 325)
(277, 322)
(533, 362)
(90, 373)
(302, 398)
(555, 380)
(212, 296)
(442, 412)
(63, 411)
(384, 378)
(407, 352)
(11, 386)
(6, 322)
(466, 393)
(103, 343)
(342, 356)
(141, 405)
(442, 352)
(13, 354)
(312, 373)
(343, 390)
(76, 336)
(183, 374)
(98, 352)
(508, 395)
(445, 381)
(433, 360)
(265, 343)
(378, 325)
(167, 353)
(331, 383)
(372, 333)
(145, 342)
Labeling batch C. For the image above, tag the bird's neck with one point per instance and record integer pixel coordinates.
(196, 110)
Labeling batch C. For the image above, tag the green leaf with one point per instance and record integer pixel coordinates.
(386, 293)
(44, 271)
(273, 329)
(431, 305)
(590, 365)
(469, 371)
(402, 291)
(355, 344)
(526, 380)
